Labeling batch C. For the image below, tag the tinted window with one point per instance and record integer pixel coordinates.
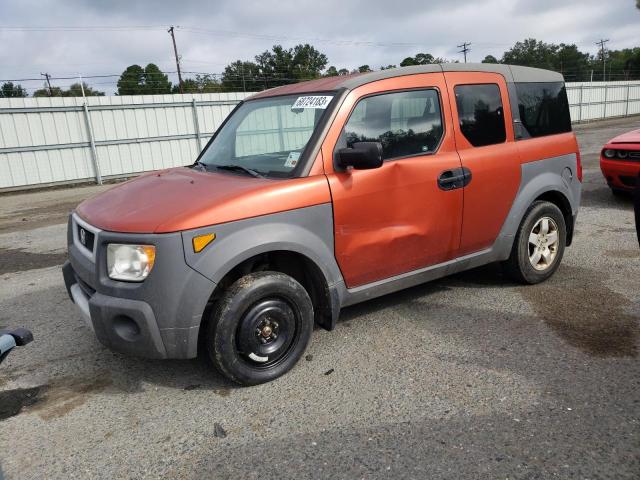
(406, 123)
(544, 109)
(481, 114)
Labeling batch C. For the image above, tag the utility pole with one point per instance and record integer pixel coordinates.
(464, 50)
(47, 76)
(604, 62)
(175, 52)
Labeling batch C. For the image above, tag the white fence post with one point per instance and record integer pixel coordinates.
(626, 105)
(92, 143)
(196, 124)
(580, 104)
(606, 91)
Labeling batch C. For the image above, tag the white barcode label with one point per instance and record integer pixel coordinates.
(316, 101)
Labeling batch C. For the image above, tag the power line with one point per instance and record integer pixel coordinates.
(465, 49)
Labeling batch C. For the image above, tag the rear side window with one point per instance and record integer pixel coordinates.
(544, 109)
(406, 123)
(481, 114)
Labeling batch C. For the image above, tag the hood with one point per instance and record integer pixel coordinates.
(629, 137)
(182, 198)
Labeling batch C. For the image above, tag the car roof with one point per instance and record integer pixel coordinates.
(512, 73)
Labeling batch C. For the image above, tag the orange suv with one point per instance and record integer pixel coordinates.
(322, 194)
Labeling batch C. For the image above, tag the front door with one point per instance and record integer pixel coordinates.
(396, 218)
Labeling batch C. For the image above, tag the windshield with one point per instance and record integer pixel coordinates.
(266, 136)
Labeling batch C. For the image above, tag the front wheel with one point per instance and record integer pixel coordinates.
(539, 244)
(260, 328)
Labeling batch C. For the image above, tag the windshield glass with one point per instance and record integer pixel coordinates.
(267, 136)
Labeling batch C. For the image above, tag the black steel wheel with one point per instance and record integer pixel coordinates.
(260, 328)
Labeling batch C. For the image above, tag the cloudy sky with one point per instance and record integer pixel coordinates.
(101, 37)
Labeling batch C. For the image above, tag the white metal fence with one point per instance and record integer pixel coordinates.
(598, 100)
(46, 141)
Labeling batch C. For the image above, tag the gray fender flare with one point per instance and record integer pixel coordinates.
(537, 179)
(306, 231)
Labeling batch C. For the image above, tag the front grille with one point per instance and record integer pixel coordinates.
(628, 181)
(635, 155)
(85, 237)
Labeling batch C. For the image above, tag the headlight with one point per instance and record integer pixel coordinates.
(130, 263)
(609, 153)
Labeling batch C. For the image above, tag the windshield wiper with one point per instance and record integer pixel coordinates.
(200, 164)
(240, 168)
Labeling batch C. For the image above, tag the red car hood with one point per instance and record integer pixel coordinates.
(629, 137)
(181, 199)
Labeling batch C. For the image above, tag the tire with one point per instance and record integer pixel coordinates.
(619, 193)
(260, 328)
(524, 253)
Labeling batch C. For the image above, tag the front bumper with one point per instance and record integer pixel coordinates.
(620, 174)
(157, 318)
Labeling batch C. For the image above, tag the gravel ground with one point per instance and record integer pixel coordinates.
(469, 377)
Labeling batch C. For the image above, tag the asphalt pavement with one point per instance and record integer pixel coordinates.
(468, 377)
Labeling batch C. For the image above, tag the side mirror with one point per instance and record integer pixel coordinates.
(363, 156)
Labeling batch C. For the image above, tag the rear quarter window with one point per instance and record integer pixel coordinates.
(543, 108)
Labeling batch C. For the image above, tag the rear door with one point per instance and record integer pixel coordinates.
(484, 138)
(395, 219)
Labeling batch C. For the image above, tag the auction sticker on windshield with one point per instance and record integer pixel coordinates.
(316, 101)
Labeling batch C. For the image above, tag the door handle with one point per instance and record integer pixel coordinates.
(454, 178)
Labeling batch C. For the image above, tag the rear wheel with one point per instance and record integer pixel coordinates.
(260, 328)
(539, 244)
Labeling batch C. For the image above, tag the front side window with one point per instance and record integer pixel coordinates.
(267, 136)
(481, 114)
(405, 123)
(543, 108)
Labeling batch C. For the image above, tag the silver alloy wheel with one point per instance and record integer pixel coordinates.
(543, 243)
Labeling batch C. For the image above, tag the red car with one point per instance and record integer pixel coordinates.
(620, 161)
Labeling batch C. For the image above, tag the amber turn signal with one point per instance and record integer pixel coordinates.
(201, 241)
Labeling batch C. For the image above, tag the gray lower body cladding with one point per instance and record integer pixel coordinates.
(157, 318)
(161, 316)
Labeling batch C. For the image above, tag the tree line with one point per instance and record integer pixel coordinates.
(281, 66)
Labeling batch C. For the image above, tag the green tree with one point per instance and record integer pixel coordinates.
(419, 59)
(136, 80)
(44, 92)
(364, 69)
(12, 90)
(278, 66)
(564, 58)
(244, 76)
(76, 91)
(331, 72)
(131, 82)
(307, 62)
(622, 64)
(199, 84)
(155, 82)
(388, 67)
(490, 59)
(531, 53)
